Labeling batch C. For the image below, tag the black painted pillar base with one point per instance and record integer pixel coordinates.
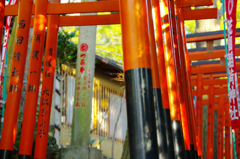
(6, 154)
(141, 114)
(169, 133)
(188, 153)
(178, 140)
(161, 130)
(193, 151)
(196, 154)
(24, 157)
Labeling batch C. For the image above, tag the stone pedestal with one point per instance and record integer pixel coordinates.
(82, 152)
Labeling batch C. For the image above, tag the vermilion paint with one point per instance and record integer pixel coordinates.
(16, 78)
(188, 74)
(138, 79)
(47, 87)
(35, 69)
(220, 126)
(177, 48)
(153, 54)
(210, 122)
(140, 54)
(161, 129)
(162, 75)
(160, 53)
(170, 65)
(199, 112)
(171, 70)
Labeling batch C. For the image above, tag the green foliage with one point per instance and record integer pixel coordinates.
(238, 14)
(91, 141)
(66, 49)
(109, 42)
(52, 148)
(190, 26)
(103, 138)
(17, 143)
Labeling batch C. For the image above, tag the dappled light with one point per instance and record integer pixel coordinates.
(40, 22)
(120, 79)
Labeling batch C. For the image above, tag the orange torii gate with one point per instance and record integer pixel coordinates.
(207, 75)
(138, 70)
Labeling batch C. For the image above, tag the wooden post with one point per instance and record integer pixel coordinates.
(175, 113)
(182, 86)
(199, 112)
(162, 75)
(138, 77)
(16, 80)
(33, 83)
(47, 87)
(220, 126)
(161, 130)
(186, 63)
(210, 122)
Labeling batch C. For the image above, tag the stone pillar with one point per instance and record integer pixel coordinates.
(84, 86)
(83, 98)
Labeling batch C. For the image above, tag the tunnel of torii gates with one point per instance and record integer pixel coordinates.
(158, 75)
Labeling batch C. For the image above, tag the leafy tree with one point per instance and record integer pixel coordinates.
(66, 49)
(109, 42)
